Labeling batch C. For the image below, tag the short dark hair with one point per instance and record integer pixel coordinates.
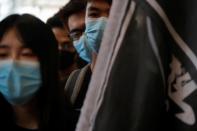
(55, 21)
(108, 1)
(72, 7)
(39, 37)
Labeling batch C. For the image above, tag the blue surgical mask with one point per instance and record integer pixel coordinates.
(90, 41)
(94, 32)
(82, 49)
(19, 80)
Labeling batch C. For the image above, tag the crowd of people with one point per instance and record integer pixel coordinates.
(100, 65)
(45, 68)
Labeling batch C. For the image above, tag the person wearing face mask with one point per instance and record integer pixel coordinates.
(73, 17)
(97, 12)
(30, 96)
(67, 53)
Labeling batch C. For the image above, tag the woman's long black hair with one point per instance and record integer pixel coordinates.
(38, 36)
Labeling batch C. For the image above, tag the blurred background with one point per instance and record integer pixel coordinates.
(40, 8)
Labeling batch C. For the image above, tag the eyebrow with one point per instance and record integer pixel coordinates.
(82, 29)
(4, 46)
(93, 9)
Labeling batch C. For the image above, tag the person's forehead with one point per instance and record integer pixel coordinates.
(77, 16)
(12, 38)
(98, 4)
(76, 20)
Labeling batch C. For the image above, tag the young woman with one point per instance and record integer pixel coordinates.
(30, 98)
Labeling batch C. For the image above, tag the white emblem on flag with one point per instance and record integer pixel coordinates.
(180, 87)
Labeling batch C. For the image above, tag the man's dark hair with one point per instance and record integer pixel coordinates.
(55, 21)
(72, 7)
(108, 1)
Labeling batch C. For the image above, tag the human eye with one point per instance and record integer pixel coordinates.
(93, 14)
(4, 52)
(76, 35)
(27, 53)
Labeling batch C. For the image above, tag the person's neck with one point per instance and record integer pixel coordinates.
(94, 57)
(26, 116)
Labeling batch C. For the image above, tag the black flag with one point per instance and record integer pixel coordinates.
(145, 77)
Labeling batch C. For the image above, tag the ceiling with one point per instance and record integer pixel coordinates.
(40, 8)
